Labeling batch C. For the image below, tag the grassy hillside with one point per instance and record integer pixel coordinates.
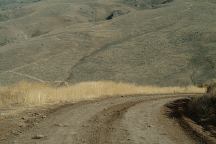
(148, 42)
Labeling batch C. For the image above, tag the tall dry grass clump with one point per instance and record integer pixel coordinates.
(211, 89)
(25, 93)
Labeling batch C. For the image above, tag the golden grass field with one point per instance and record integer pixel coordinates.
(26, 93)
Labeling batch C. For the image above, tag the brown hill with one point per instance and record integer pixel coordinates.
(152, 42)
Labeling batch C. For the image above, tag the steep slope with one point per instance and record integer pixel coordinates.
(153, 42)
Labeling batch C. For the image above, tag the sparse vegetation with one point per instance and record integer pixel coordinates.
(105, 49)
(25, 93)
(37, 33)
(3, 17)
(3, 41)
(74, 42)
(211, 88)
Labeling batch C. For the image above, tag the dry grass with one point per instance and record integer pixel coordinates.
(25, 93)
(211, 89)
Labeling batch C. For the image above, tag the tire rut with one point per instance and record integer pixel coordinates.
(101, 127)
(117, 120)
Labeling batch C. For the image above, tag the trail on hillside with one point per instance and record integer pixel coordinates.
(126, 120)
(147, 42)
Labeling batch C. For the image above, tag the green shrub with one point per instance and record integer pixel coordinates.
(202, 109)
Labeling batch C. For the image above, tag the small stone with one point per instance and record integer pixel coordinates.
(21, 125)
(35, 124)
(23, 118)
(61, 125)
(14, 132)
(36, 114)
(38, 136)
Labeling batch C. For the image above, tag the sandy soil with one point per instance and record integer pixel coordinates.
(127, 120)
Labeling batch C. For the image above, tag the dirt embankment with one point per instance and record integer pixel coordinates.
(202, 130)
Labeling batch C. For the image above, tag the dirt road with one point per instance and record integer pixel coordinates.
(126, 120)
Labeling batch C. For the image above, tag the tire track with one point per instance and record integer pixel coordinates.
(108, 121)
(103, 124)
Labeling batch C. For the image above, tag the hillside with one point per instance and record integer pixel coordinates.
(148, 42)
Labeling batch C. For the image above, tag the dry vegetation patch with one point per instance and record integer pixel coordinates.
(25, 93)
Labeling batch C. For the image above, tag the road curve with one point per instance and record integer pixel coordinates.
(119, 120)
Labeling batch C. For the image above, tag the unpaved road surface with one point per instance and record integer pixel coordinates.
(119, 120)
